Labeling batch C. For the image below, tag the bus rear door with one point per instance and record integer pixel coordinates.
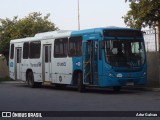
(18, 67)
(47, 73)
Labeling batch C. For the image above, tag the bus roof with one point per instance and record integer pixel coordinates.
(45, 35)
(66, 33)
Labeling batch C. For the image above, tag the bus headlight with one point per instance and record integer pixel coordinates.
(119, 75)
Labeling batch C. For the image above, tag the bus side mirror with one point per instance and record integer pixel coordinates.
(102, 44)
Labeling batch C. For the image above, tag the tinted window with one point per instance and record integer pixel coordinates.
(75, 46)
(35, 49)
(19, 55)
(47, 53)
(60, 47)
(122, 33)
(26, 50)
(12, 51)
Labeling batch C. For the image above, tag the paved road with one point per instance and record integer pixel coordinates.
(19, 97)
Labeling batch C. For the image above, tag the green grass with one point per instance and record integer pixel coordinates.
(4, 79)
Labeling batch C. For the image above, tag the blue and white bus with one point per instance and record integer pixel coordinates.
(102, 57)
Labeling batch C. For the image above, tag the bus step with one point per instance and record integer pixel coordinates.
(46, 83)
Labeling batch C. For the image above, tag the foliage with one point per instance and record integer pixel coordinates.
(4, 79)
(143, 13)
(19, 28)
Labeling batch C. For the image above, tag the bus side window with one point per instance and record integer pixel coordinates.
(75, 46)
(35, 49)
(12, 51)
(61, 48)
(25, 50)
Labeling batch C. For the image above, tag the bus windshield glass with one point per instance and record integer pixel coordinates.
(125, 53)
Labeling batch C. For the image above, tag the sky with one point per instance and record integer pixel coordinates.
(93, 13)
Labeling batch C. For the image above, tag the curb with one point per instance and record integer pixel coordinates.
(12, 82)
(143, 88)
(153, 89)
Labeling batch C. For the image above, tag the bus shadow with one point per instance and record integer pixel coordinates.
(94, 90)
(111, 91)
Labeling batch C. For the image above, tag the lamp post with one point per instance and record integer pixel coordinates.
(78, 17)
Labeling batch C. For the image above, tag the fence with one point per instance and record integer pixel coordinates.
(151, 40)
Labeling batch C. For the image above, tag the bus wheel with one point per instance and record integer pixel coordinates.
(60, 86)
(81, 87)
(117, 88)
(38, 84)
(30, 80)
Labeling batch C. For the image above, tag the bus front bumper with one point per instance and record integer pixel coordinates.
(105, 81)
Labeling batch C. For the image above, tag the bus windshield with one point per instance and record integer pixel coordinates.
(125, 53)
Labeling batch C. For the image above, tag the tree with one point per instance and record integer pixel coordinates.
(143, 13)
(19, 28)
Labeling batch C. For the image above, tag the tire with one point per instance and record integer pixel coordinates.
(30, 81)
(38, 84)
(117, 88)
(60, 86)
(81, 86)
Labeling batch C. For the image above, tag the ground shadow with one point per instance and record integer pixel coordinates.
(94, 90)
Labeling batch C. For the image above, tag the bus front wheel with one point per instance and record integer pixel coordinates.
(117, 88)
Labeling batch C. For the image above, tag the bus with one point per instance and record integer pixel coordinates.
(99, 57)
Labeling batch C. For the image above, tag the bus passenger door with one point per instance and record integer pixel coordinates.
(47, 74)
(90, 62)
(18, 67)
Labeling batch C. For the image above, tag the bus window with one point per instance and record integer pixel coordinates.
(75, 46)
(35, 49)
(12, 51)
(25, 50)
(122, 53)
(60, 48)
(46, 54)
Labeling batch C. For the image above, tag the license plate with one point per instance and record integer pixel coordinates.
(130, 83)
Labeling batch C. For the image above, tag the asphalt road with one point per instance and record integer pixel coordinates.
(18, 97)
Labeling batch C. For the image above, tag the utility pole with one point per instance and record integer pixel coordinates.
(78, 17)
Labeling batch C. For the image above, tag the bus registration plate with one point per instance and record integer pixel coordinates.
(130, 83)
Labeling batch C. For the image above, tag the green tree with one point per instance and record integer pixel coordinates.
(143, 13)
(19, 28)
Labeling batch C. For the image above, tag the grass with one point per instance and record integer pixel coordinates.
(4, 79)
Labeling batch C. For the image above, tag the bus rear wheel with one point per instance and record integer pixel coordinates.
(30, 81)
(81, 86)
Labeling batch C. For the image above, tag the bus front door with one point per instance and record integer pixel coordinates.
(18, 66)
(90, 62)
(47, 76)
